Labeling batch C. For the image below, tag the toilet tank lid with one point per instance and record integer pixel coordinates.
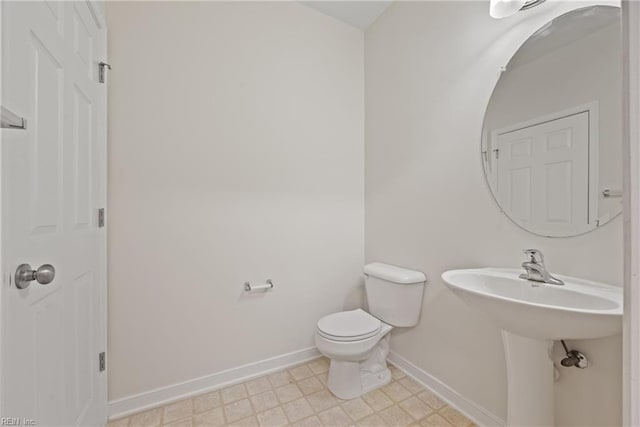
(394, 274)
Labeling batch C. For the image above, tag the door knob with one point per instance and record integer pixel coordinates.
(43, 275)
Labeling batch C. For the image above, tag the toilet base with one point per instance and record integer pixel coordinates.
(348, 380)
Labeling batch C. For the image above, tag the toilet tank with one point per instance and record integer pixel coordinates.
(394, 294)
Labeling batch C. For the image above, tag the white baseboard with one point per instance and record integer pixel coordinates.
(161, 396)
(472, 410)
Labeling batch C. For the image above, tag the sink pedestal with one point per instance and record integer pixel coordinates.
(530, 394)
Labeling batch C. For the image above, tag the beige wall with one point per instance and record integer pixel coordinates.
(430, 70)
(235, 154)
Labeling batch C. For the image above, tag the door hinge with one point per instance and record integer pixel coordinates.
(101, 71)
(100, 217)
(102, 361)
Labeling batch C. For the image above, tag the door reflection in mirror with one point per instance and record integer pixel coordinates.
(552, 135)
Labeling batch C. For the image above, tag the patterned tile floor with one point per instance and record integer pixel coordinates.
(298, 396)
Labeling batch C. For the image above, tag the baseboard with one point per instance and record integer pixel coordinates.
(472, 410)
(161, 396)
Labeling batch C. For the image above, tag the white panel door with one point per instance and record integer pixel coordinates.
(53, 182)
(543, 174)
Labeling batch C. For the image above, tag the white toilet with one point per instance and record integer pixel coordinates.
(357, 342)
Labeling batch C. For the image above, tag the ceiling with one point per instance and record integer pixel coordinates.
(357, 13)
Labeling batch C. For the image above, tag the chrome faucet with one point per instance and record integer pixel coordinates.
(535, 269)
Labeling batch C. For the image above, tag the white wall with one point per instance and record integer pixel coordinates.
(235, 154)
(430, 70)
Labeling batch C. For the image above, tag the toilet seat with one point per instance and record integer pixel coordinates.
(345, 326)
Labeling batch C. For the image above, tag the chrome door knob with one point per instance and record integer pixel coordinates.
(43, 275)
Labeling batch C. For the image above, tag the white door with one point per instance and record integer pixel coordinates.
(543, 174)
(53, 182)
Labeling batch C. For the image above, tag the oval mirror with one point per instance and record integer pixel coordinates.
(552, 134)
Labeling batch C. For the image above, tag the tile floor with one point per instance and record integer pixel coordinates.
(298, 396)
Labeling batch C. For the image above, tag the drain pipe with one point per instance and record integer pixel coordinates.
(574, 358)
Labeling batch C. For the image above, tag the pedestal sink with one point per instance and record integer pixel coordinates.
(531, 316)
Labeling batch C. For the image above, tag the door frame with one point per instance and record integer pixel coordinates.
(594, 147)
(96, 9)
(631, 147)
(3, 277)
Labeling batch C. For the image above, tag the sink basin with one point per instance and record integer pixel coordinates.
(531, 315)
(580, 309)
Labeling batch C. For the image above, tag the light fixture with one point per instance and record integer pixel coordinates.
(504, 8)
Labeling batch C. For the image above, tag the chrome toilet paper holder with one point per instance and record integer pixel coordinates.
(248, 287)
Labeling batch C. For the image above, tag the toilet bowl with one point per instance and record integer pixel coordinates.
(357, 342)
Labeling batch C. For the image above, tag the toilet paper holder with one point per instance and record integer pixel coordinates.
(248, 287)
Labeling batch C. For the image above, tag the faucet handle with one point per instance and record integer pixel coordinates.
(535, 254)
